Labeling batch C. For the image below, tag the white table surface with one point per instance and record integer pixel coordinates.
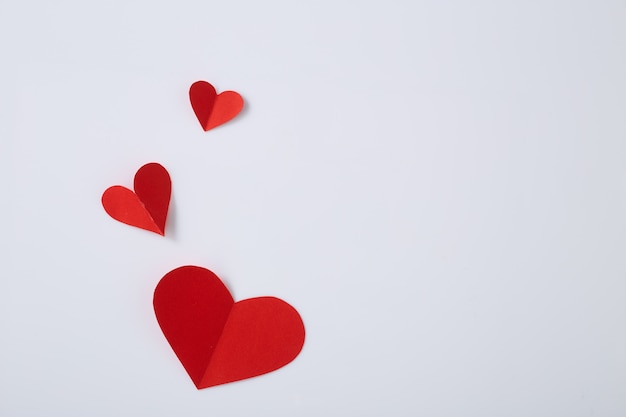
(439, 188)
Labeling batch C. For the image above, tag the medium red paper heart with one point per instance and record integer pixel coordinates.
(213, 109)
(145, 208)
(220, 341)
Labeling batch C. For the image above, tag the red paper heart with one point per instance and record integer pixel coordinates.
(213, 109)
(220, 341)
(145, 208)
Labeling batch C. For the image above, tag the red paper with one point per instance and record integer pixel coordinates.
(220, 341)
(213, 109)
(145, 208)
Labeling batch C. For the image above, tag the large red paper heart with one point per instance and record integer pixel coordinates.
(213, 109)
(220, 341)
(145, 208)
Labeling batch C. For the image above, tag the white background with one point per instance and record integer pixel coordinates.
(439, 187)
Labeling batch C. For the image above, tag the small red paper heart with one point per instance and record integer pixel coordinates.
(145, 208)
(213, 109)
(220, 341)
